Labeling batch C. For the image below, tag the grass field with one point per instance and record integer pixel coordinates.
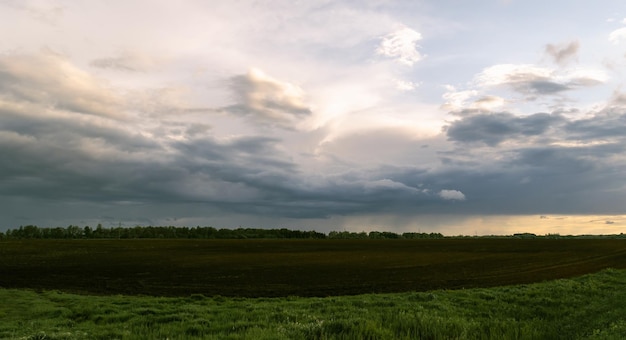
(587, 307)
(274, 268)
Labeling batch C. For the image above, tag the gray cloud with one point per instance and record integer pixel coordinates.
(538, 85)
(60, 156)
(48, 81)
(554, 163)
(127, 61)
(117, 63)
(253, 176)
(562, 53)
(263, 97)
(602, 127)
(532, 85)
(495, 128)
(532, 80)
(493, 163)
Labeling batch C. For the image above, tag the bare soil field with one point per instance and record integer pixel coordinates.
(269, 268)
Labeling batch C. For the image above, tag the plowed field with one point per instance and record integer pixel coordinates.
(255, 268)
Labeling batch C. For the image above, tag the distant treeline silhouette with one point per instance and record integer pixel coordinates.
(171, 232)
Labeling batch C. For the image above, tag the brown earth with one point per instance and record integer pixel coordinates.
(255, 268)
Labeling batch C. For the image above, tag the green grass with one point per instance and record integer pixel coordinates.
(588, 307)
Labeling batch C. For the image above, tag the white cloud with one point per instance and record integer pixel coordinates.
(618, 35)
(404, 85)
(387, 184)
(470, 99)
(401, 45)
(455, 99)
(452, 195)
(512, 73)
(584, 76)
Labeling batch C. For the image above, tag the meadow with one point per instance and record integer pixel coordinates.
(472, 288)
(587, 307)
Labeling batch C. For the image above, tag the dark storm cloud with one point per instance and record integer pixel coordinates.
(77, 159)
(533, 180)
(53, 155)
(275, 186)
(494, 128)
(40, 166)
(253, 176)
(69, 157)
(607, 124)
(250, 154)
(72, 131)
(125, 166)
(605, 127)
(556, 164)
(547, 157)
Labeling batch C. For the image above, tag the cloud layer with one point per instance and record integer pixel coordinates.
(323, 115)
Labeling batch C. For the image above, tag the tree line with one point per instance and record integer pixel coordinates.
(171, 232)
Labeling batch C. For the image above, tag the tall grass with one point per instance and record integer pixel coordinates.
(588, 307)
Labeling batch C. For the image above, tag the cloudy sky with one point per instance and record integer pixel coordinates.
(481, 117)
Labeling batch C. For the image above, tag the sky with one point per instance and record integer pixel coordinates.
(459, 117)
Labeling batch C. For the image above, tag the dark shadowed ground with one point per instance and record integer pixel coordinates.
(254, 268)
